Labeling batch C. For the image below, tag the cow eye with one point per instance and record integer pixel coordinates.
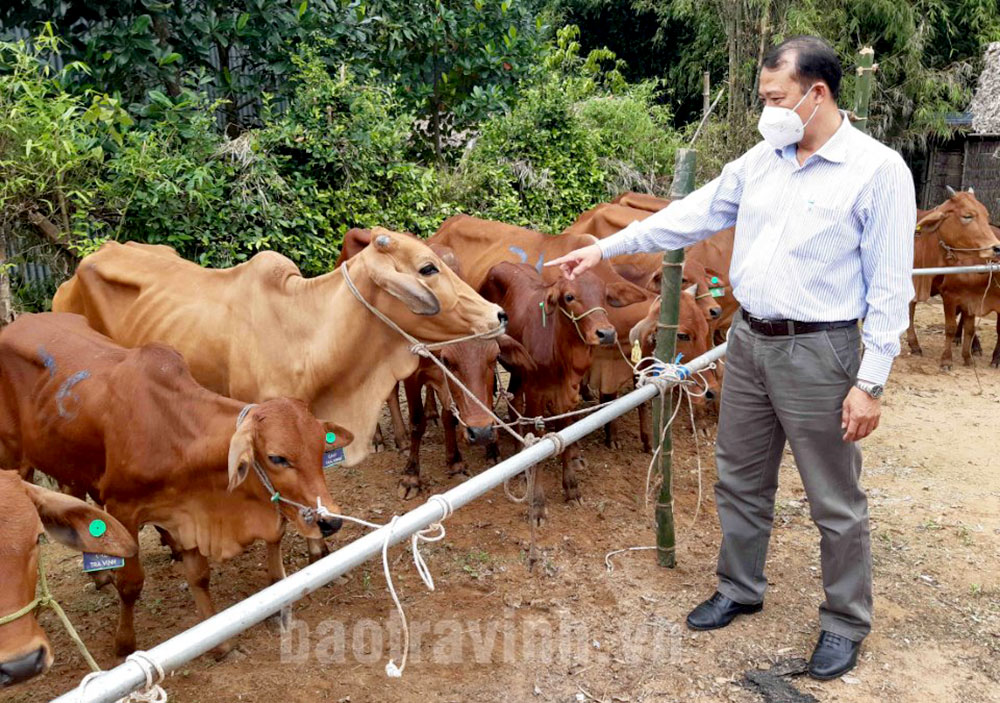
(277, 460)
(428, 270)
(569, 297)
(968, 218)
(684, 336)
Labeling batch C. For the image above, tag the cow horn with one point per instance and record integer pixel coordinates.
(951, 191)
(971, 192)
(383, 242)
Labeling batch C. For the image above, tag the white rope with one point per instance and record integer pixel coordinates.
(434, 532)
(151, 669)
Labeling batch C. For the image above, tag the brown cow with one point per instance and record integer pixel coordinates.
(260, 330)
(133, 428)
(693, 340)
(27, 509)
(559, 323)
(473, 362)
(641, 201)
(959, 227)
(645, 269)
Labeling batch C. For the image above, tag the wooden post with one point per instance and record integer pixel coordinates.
(666, 342)
(706, 93)
(863, 87)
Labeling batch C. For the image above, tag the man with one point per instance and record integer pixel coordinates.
(824, 221)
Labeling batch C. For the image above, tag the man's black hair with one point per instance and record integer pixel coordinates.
(813, 60)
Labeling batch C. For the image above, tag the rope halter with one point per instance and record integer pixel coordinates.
(309, 514)
(576, 318)
(46, 600)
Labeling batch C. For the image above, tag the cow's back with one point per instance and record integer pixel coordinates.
(140, 294)
(479, 245)
(55, 374)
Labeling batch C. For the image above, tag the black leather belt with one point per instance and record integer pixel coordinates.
(782, 328)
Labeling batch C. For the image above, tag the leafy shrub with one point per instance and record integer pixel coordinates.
(577, 138)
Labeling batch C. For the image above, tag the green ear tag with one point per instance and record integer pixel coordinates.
(331, 437)
(98, 528)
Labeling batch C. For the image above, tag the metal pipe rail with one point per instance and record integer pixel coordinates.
(182, 648)
(945, 270)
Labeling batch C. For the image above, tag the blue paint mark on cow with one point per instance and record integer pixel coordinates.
(538, 266)
(47, 360)
(66, 391)
(520, 252)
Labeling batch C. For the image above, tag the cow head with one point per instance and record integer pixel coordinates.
(288, 444)
(580, 303)
(962, 223)
(693, 336)
(411, 285)
(27, 510)
(473, 363)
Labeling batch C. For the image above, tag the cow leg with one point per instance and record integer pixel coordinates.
(911, 333)
(611, 429)
(431, 406)
(571, 461)
(995, 362)
(409, 483)
(968, 337)
(586, 394)
(128, 580)
(957, 339)
(456, 465)
(198, 574)
(378, 440)
(275, 572)
(645, 431)
(399, 428)
(950, 327)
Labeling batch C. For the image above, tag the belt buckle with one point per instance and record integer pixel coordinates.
(791, 327)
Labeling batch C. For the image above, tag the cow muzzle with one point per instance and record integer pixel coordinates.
(996, 251)
(329, 525)
(22, 668)
(606, 336)
(480, 435)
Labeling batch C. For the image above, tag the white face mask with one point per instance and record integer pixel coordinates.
(781, 126)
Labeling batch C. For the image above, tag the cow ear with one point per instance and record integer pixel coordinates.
(241, 451)
(654, 283)
(80, 526)
(931, 221)
(494, 288)
(513, 354)
(405, 287)
(621, 293)
(692, 289)
(341, 437)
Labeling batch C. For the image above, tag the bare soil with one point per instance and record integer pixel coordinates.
(572, 630)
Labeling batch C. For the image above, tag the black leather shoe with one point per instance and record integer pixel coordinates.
(718, 611)
(834, 656)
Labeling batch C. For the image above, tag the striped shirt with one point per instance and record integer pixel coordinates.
(829, 240)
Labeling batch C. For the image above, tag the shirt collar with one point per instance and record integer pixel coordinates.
(835, 148)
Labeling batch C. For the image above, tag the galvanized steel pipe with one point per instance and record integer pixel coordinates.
(182, 648)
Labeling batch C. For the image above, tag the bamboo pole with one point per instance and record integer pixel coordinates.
(666, 341)
(863, 87)
(706, 93)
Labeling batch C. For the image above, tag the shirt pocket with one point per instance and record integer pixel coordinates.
(821, 233)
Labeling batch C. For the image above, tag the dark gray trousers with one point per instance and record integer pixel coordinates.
(792, 388)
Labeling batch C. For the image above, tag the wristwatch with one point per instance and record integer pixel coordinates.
(875, 390)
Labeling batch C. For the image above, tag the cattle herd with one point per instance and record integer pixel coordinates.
(208, 403)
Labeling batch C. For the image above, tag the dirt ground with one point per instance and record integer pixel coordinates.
(573, 630)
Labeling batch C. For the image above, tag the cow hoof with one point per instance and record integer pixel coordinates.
(613, 444)
(916, 352)
(457, 468)
(946, 367)
(647, 448)
(977, 352)
(408, 488)
(281, 621)
(573, 495)
(123, 648)
(540, 517)
(378, 446)
(995, 363)
(221, 651)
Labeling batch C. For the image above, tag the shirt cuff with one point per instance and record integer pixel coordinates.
(875, 367)
(619, 243)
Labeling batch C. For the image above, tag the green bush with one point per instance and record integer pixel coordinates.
(577, 138)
